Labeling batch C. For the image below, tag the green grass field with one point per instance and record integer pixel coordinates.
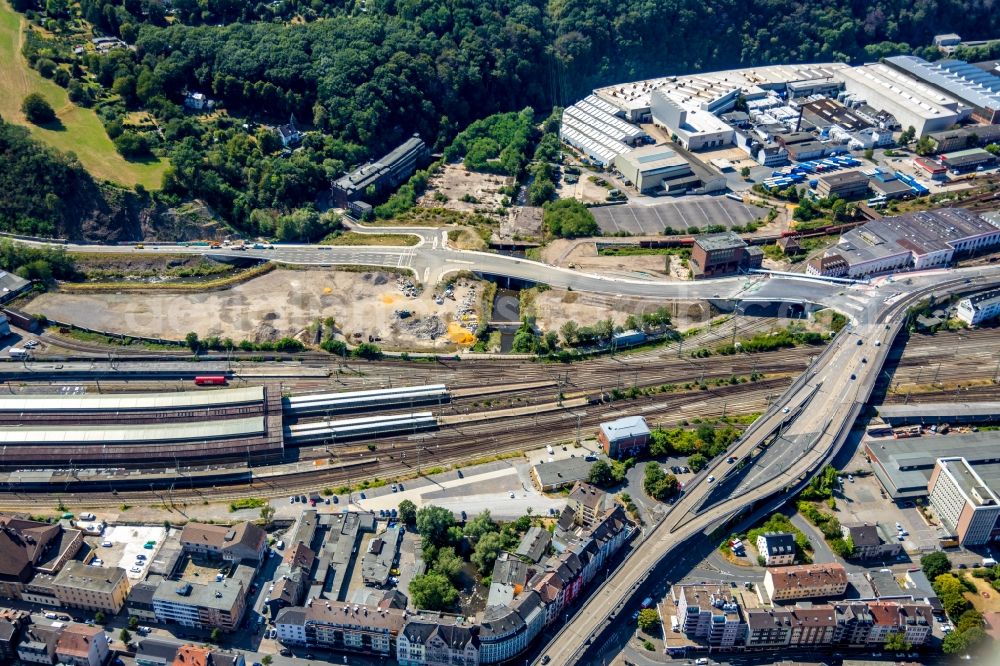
(81, 131)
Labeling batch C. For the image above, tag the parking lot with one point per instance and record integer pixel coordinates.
(698, 212)
(862, 503)
(128, 541)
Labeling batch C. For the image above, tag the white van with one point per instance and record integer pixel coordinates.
(18, 353)
(87, 516)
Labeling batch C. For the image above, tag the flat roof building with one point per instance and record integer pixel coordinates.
(843, 184)
(218, 604)
(551, 476)
(969, 159)
(691, 118)
(649, 166)
(624, 437)
(904, 466)
(964, 502)
(920, 240)
(910, 101)
(381, 556)
(722, 254)
(957, 79)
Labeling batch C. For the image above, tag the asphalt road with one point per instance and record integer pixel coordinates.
(815, 413)
(431, 259)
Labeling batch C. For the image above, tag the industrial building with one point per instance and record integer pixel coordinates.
(382, 175)
(938, 413)
(957, 79)
(976, 309)
(965, 137)
(888, 186)
(970, 159)
(964, 502)
(844, 184)
(910, 101)
(921, 240)
(593, 127)
(828, 112)
(653, 168)
(904, 466)
(692, 118)
(12, 286)
(718, 90)
(723, 254)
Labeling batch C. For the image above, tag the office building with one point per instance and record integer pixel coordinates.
(910, 101)
(957, 79)
(806, 581)
(241, 542)
(725, 253)
(965, 137)
(844, 184)
(976, 309)
(965, 503)
(91, 588)
(777, 548)
(624, 437)
(382, 175)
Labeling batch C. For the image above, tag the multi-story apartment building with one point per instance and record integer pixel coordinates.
(806, 581)
(83, 645)
(91, 588)
(432, 642)
(964, 502)
(913, 620)
(710, 613)
(215, 605)
(38, 644)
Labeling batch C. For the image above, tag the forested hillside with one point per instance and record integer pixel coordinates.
(368, 73)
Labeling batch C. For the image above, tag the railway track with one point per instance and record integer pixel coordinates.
(656, 367)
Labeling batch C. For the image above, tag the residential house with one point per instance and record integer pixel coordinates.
(868, 545)
(241, 542)
(83, 645)
(777, 548)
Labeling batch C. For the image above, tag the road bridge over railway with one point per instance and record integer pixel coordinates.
(800, 433)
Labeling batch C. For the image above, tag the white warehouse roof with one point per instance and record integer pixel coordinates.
(130, 401)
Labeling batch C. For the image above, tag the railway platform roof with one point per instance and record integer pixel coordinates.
(131, 401)
(119, 434)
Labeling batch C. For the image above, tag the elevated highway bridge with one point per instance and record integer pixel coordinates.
(778, 454)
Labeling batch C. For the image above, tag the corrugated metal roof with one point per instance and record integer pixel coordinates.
(167, 432)
(130, 401)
